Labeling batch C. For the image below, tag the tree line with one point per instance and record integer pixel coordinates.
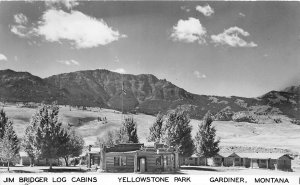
(45, 138)
(172, 129)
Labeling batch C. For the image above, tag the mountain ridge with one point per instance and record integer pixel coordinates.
(145, 93)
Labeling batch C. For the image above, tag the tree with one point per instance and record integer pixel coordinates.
(50, 134)
(29, 143)
(130, 129)
(156, 129)
(177, 132)
(72, 148)
(126, 134)
(3, 123)
(112, 138)
(206, 143)
(9, 144)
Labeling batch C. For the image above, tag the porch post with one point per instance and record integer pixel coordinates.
(103, 158)
(176, 161)
(88, 160)
(135, 163)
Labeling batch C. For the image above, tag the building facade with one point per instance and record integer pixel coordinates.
(275, 161)
(134, 158)
(278, 161)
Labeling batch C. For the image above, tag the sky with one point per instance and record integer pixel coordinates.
(214, 48)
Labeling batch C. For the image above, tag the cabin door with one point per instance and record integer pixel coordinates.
(255, 163)
(165, 163)
(142, 165)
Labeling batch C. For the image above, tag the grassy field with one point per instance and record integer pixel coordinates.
(185, 170)
(282, 135)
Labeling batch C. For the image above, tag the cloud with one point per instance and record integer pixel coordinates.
(189, 31)
(242, 15)
(80, 30)
(20, 30)
(119, 70)
(184, 8)
(69, 4)
(3, 57)
(69, 62)
(199, 75)
(116, 59)
(205, 10)
(231, 37)
(266, 55)
(21, 26)
(20, 18)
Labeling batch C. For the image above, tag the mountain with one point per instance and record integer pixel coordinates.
(143, 93)
(25, 87)
(287, 101)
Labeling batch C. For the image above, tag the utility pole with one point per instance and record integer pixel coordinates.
(122, 96)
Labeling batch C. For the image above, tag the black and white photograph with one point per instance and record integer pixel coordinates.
(150, 88)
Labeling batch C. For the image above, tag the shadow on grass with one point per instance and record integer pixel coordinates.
(21, 171)
(146, 172)
(197, 168)
(60, 170)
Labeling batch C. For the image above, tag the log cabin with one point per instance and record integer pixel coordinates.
(277, 161)
(132, 157)
(227, 159)
(193, 160)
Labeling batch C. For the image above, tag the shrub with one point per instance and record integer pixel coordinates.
(244, 117)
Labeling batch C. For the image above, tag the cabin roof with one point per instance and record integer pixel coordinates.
(227, 154)
(263, 155)
(129, 152)
(125, 147)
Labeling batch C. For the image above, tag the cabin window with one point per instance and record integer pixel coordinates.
(217, 159)
(116, 161)
(120, 161)
(158, 161)
(236, 159)
(123, 160)
(263, 161)
(167, 160)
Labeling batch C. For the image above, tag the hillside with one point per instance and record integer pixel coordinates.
(22, 86)
(145, 93)
(243, 135)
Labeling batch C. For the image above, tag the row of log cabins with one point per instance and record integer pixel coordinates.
(134, 157)
(278, 161)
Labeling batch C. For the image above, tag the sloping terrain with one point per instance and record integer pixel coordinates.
(282, 135)
(143, 94)
(24, 87)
